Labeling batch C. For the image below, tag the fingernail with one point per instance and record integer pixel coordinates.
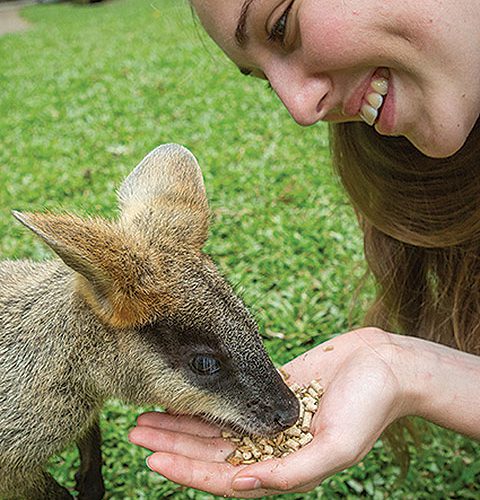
(148, 465)
(246, 483)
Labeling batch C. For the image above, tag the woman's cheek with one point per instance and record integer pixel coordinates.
(334, 43)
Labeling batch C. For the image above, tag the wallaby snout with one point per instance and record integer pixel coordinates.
(134, 310)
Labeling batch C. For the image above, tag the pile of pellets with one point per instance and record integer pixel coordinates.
(257, 449)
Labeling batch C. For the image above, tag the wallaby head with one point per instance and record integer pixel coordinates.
(183, 338)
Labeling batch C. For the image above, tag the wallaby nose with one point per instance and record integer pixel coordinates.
(287, 417)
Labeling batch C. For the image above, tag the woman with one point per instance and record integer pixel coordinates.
(399, 82)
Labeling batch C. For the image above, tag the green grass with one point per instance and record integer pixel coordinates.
(86, 93)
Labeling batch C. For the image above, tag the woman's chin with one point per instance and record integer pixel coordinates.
(437, 146)
(444, 138)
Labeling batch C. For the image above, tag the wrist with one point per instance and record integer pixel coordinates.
(437, 383)
(418, 368)
(402, 356)
(411, 366)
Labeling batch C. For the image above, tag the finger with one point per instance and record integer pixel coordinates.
(212, 477)
(208, 449)
(179, 423)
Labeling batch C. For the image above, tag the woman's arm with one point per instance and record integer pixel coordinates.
(372, 378)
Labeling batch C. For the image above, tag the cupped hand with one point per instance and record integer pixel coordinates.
(363, 395)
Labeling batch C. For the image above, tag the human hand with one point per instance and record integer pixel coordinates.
(359, 371)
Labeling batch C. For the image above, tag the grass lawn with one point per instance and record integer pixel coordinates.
(86, 93)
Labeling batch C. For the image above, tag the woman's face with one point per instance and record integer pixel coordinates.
(409, 68)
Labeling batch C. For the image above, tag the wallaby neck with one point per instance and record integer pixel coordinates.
(41, 308)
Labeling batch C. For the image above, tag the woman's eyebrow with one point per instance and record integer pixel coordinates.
(241, 33)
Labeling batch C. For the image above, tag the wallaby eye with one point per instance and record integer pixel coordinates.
(205, 365)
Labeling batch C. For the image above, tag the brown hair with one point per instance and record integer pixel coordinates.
(421, 223)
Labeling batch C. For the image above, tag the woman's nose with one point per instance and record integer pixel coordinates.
(302, 95)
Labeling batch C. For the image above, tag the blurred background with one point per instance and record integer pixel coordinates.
(86, 90)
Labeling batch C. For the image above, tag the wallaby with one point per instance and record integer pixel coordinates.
(133, 309)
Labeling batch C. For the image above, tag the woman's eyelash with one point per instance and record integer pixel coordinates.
(277, 34)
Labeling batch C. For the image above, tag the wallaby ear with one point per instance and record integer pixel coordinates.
(111, 263)
(165, 198)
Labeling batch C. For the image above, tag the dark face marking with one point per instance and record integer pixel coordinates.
(212, 343)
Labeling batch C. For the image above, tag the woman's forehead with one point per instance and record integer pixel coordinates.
(221, 18)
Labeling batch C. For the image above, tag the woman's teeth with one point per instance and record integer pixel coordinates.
(373, 100)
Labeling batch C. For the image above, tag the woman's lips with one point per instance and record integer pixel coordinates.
(354, 103)
(372, 102)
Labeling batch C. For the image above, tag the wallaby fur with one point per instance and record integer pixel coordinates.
(133, 310)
